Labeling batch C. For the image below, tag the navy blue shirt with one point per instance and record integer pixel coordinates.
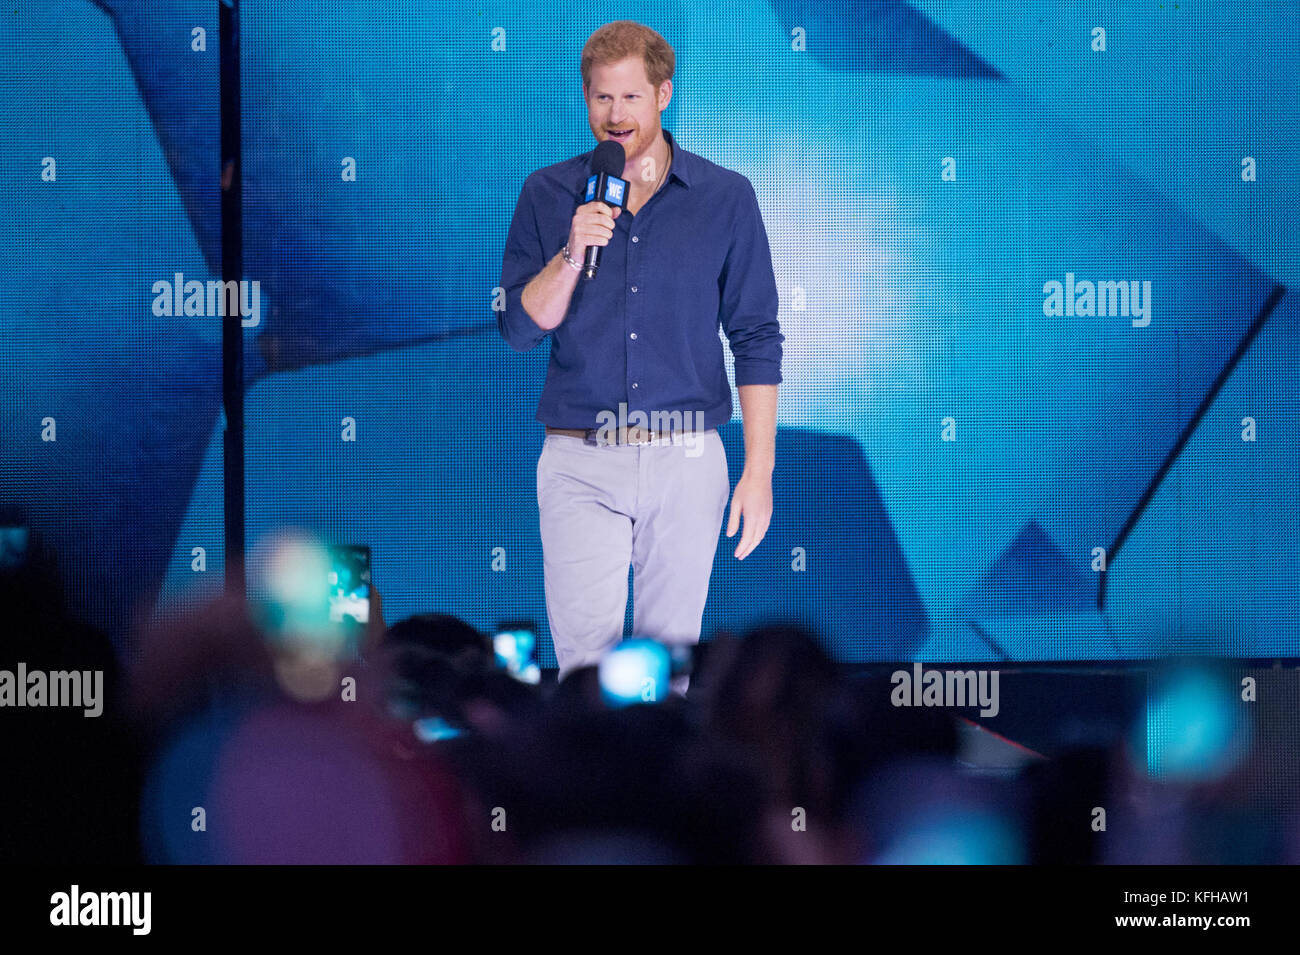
(644, 331)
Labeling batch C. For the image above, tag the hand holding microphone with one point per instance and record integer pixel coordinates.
(593, 221)
(592, 228)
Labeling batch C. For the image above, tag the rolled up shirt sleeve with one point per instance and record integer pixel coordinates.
(523, 258)
(748, 300)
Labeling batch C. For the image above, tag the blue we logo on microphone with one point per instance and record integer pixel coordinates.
(615, 190)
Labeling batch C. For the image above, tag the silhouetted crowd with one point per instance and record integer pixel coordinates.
(217, 747)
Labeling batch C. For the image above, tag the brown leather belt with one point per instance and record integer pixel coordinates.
(629, 435)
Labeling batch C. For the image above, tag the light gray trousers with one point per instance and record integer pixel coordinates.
(656, 507)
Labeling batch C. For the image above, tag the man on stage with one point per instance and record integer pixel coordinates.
(632, 467)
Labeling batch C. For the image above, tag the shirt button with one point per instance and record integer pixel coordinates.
(633, 288)
(634, 336)
(635, 239)
(634, 384)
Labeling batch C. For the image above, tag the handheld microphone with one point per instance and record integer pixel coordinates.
(604, 184)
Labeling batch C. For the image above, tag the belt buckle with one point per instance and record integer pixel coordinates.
(639, 436)
(632, 435)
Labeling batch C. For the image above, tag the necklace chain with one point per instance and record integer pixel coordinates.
(662, 173)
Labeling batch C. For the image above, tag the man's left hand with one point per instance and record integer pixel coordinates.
(752, 498)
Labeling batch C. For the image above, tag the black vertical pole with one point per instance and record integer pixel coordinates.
(232, 267)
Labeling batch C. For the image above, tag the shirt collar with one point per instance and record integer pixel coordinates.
(680, 166)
